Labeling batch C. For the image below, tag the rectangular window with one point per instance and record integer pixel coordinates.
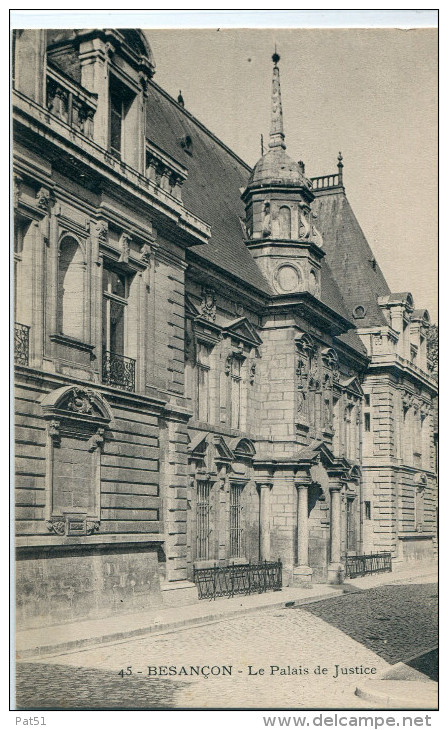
(118, 370)
(236, 521)
(351, 525)
(367, 510)
(203, 383)
(114, 307)
(367, 422)
(367, 399)
(235, 394)
(122, 128)
(116, 122)
(203, 522)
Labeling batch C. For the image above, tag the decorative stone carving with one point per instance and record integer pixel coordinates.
(266, 228)
(304, 226)
(79, 401)
(92, 526)
(252, 373)
(145, 254)
(208, 304)
(125, 247)
(425, 409)
(43, 199)
(56, 526)
(97, 440)
(228, 365)
(301, 401)
(17, 183)
(54, 432)
(316, 236)
(102, 230)
(407, 399)
(327, 413)
(143, 81)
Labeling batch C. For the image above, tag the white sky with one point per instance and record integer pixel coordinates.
(371, 93)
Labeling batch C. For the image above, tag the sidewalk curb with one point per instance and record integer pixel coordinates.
(161, 628)
(392, 581)
(400, 687)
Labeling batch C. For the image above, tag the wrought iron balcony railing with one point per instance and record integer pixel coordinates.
(21, 344)
(118, 371)
(71, 104)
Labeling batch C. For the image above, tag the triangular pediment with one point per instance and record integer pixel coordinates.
(190, 309)
(317, 451)
(242, 329)
(223, 452)
(198, 445)
(353, 385)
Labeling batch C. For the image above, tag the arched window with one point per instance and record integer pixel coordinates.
(284, 222)
(71, 289)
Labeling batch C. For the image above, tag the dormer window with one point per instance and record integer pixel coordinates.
(120, 101)
(116, 123)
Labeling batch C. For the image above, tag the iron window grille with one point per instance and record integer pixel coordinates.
(236, 521)
(21, 344)
(203, 520)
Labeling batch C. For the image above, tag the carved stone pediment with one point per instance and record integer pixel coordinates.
(243, 330)
(76, 402)
(353, 386)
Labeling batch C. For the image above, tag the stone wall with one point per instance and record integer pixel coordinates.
(55, 585)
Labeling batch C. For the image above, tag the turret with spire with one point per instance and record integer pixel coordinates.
(279, 221)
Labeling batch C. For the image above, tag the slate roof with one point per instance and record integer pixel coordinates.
(212, 192)
(350, 258)
(212, 189)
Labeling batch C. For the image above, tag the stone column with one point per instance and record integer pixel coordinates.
(335, 566)
(302, 572)
(265, 520)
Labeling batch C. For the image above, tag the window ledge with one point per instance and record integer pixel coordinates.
(72, 342)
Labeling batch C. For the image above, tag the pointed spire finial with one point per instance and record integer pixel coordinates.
(276, 137)
(180, 99)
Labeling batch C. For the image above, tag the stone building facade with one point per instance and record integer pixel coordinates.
(209, 365)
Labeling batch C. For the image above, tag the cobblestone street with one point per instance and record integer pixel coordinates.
(340, 631)
(395, 621)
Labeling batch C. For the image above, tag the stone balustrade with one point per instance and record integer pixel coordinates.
(71, 104)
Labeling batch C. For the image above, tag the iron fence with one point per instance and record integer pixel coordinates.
(357, 565)
(118, 371)
(231, 580)
(21, 344)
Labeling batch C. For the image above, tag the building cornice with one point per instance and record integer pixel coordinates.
(393, 362)
(96, 164)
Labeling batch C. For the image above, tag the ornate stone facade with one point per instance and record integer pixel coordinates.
(192, 387)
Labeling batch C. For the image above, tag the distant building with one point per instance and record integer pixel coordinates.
(209, 364)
